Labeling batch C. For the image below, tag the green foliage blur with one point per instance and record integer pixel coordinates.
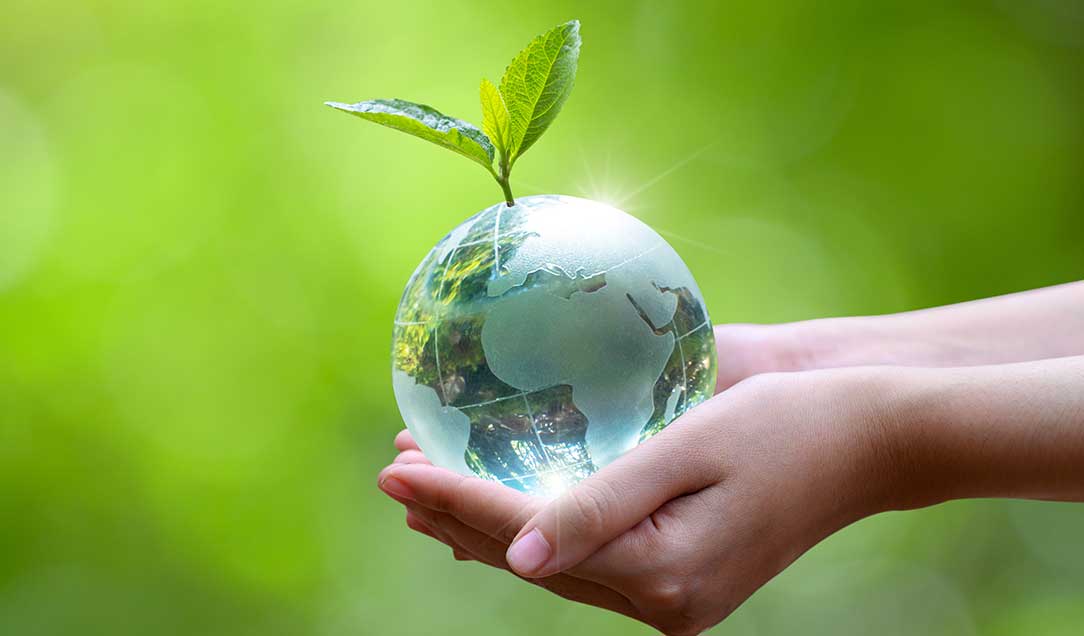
(199, 266)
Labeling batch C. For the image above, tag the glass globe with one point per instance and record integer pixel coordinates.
(537, 343)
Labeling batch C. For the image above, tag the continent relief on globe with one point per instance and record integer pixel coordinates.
(537, 343)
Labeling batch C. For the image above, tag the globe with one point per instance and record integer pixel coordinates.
(538, 342)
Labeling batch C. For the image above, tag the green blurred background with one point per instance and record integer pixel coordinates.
(199, 265)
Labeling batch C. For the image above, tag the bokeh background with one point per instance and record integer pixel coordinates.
(199, 266)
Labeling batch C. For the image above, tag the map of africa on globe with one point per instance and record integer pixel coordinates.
(537, 343)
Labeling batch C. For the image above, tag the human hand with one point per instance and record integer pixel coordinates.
(745, 350)
(772, 466)
(767, 470)
(1032, 325)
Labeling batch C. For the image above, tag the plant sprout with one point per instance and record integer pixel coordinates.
(533, 89)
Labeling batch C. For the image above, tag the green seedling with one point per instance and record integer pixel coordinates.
(533, 89)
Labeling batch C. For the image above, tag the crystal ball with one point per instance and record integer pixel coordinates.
(538, 342)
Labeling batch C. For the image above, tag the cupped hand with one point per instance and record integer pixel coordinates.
(745, 350)
(682, 529)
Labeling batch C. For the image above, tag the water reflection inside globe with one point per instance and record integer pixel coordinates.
(537, 343)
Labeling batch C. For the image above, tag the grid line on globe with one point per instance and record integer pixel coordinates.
(491, 365)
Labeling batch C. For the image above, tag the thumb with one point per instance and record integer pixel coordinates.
(606, 504)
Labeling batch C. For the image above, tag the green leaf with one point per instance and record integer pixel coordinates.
(427, 123)
(537, 83)
(496, 122)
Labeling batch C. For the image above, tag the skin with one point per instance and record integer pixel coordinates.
(817, 425)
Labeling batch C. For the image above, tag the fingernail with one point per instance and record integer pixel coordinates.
(529, 553)
(393, 486)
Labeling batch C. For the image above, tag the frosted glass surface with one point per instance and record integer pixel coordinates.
(537, 343)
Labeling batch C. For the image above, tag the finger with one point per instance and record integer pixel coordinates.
(461, 537)
(405, 441)
(487, 506)
(415, 522)
(411, 457)
(494, 514)
(491, 552)
(618, 497)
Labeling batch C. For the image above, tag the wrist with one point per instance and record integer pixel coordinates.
(826, 343)
(858, 341)
(884, 406)
(750, 349)
(929, 452)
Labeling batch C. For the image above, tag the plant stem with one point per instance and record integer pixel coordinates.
(507, 192)
(503, 180)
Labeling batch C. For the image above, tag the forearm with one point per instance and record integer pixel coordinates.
(1012, 430)
(1031, 325)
